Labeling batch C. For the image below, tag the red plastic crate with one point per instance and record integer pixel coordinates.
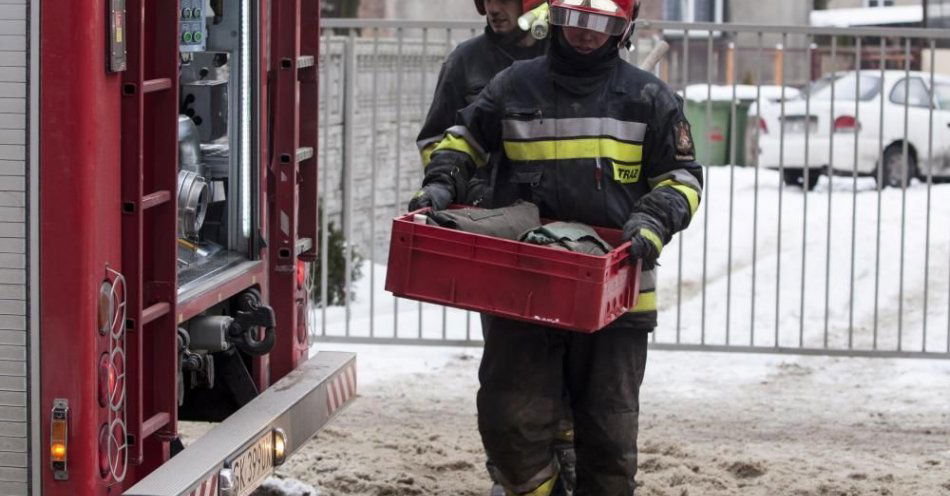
(521, 281)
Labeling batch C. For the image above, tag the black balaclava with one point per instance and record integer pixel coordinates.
(567, 61)
(581, 73)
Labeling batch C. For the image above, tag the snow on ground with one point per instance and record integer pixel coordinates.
(712, 423)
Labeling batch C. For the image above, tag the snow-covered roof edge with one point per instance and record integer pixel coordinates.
(867, 16)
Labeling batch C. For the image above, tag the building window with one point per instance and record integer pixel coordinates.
(878, 3)
(693, 10)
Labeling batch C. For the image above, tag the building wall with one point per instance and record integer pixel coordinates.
(432, 9)
(776, 12)
(651, 10)
(768, 12)
(443, 10)
(372, 9)
(850, 4)
(941, 59)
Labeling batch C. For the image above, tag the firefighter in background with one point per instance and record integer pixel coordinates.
(468, 70)
(588, 138)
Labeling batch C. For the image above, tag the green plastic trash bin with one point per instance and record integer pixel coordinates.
(713, 138)
(710, 130)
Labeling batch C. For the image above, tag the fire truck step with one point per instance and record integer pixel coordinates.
(296, 407)
(156, 199)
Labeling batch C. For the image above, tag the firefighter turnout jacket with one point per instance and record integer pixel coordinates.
(591, 149)
(467, 71)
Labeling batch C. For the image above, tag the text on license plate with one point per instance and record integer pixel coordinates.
(253, 466)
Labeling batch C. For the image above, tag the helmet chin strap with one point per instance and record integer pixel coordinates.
(626, 36)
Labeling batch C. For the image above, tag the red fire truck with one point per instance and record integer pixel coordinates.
(158, 212)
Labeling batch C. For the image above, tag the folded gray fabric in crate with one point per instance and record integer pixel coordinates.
(507, 223)
(571, 236)
(522, 222)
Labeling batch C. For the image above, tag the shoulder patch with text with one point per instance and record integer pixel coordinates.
(626, 174)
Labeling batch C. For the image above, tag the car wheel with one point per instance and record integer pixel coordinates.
(796, 177)
(893, 173)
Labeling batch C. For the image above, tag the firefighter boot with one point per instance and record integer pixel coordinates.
(558, 487)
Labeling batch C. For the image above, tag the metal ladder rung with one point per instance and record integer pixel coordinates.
(155, 199)
(153, 85)
(154, 423)
(305, 61)
(304, 153)
(303, 245)
(155, 312)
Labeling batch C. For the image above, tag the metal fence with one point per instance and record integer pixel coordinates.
(799, 246)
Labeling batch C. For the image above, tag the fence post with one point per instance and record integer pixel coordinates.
(349, 150)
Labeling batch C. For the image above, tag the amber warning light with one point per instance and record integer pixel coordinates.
(59, 435)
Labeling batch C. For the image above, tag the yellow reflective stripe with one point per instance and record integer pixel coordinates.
(427, 154)
(543, 490)
(653, 237)
(691, 195)
(646, 303)
(457, 144)
(568, 149)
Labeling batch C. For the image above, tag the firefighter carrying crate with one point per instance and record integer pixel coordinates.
(587, 138)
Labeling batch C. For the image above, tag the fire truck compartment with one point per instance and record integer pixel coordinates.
(217, 155)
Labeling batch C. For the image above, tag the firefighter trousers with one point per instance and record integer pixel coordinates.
(524, 372)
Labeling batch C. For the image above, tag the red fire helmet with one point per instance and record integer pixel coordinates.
(612, 17)
(526, 5)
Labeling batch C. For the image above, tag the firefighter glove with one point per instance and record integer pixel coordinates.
(645, 242)
(437, 196)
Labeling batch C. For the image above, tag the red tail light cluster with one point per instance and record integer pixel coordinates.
(106, 380)
(104, 467)
(847, 123)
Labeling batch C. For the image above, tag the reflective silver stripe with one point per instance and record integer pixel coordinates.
(602, 23)
(464, 133)
(681, 176)
(633, 132)
(648, 281)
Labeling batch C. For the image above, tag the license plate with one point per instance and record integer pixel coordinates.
(798, 125)
(254, 465)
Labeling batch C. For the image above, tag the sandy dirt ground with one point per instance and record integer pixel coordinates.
(712, 424)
